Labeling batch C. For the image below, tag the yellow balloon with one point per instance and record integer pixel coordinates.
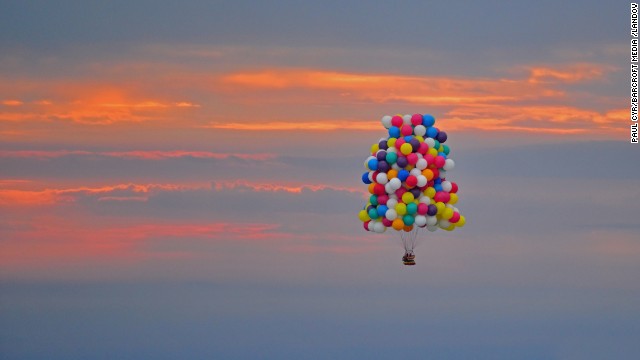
(406, 149)
(407, 197)
(408, 167)
(453, 198)
(433, 152)
(440, 206)
(430, 192)
(374, 148)
(447, 213)
(391, 142)
(420, 138)
(441, 149)
(363, 215)
(401, 209)
(451, 227)
(461, 222)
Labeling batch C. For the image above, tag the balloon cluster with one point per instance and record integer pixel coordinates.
(406, 177)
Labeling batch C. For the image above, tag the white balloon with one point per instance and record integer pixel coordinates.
(448, 164)
(415, 172)
(430, 142)
(422, 164)
(444, 223)
(386, 121)
(425, 199)
(370, 225)
(392, 150)
(443, 174)
(395, 167)
(388, 189)
(382, 178)
(391, 203)
(379, 227)
(370, 176)
(395, 183)
(420, 130)
(393, 196)
(406, 120)
(432, 220)
(420, 220)
(422, 180)
(432, 228)
(446, 186)
(391, 214)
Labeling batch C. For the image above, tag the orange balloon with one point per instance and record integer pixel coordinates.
(408, 228)
(397, 224)
(393, 173)
(428, 174)
(371, 186)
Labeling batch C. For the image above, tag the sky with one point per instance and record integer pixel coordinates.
(182, 180)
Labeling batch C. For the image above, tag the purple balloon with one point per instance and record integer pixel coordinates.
(382, 145)
(415, 144)
(370, 207)
(381, 155)
(402, 161)
(416, 192)
(442, 136)
(383, 166)
(432, 210)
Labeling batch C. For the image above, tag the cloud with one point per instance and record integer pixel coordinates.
(12, 102)
(580, 72)
(136, 154)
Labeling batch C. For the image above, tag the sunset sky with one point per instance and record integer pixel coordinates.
(182, 180)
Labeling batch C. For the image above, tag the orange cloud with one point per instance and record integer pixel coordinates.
(137, 154)
(569, 74)
(12, 102)
(324, 125)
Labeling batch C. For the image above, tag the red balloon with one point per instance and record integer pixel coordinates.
(366, 224)
(386, 222)
(399, 143)
(424, 147)
(396, 121)
(439, 161)
(412, 181)
(400, 192)
(454, 188)
(430, 159)
(378, 189)
(406, 130)
(442, 196)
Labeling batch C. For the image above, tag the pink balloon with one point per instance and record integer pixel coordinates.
(386, 222)
(382, 199)
(455, 218)
(396, 121)
(423, 208)
(400, 192)
(430, 159)
(439, 161)
(424, 147)
(416, 119)
(442, 196)
(412, 158)
(406, 130)
(399, 143)
(366, 224)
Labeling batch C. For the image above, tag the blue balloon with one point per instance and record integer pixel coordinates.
(432, 132)
(365, 178)
(403, 175)
(428, 120)
(443, 155)
(438, 187)
(382, 209)
(437, 180)
(394, 132)
(373, 164)
(408, 138)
